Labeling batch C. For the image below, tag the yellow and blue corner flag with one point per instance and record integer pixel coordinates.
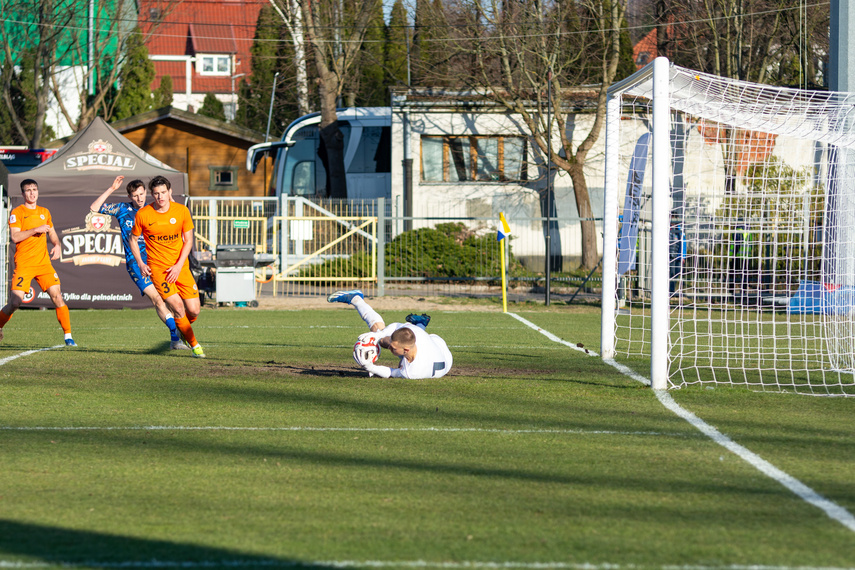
(505, 230)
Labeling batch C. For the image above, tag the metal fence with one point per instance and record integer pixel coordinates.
(320, 246)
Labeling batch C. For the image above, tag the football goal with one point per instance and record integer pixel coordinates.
(729, 232)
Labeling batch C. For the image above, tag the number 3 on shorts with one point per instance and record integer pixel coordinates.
(165, 287)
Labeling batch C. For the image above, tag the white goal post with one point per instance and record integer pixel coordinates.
(729, 232)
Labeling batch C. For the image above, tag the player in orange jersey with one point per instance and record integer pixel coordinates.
(29, 223)
(167, 229)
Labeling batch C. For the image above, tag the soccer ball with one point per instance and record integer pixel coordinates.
(365, 352)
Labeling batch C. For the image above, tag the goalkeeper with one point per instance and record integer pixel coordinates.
(422, 355)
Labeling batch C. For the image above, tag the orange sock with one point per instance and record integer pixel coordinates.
(193, 320)
(183, 325)
(63, 318)
(4, 318)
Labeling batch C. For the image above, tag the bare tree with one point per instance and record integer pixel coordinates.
(101, 53)
(334, 35)
(292, 17)
(765, 41)
(68, 53)
(517, 52)
(34, 32)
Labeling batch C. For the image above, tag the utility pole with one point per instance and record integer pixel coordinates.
(270, 112)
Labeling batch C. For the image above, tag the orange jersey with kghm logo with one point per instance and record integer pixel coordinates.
(163, 232)
(33, 251)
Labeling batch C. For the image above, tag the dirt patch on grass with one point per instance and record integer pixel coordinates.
(349, 371)
(385, 303)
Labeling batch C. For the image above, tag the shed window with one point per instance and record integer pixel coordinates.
(223, 178)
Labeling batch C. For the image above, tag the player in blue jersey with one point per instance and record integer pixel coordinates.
(125, 212)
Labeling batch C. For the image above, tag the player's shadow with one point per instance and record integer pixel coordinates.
(28, 542)
(330, 372)
(164, 348)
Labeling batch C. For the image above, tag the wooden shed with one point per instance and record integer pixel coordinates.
(213, 153)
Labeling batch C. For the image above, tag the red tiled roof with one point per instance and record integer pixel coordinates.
(213, 38)
(645, 50)
(189, 27)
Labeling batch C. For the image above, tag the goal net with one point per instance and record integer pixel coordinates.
(729, 233)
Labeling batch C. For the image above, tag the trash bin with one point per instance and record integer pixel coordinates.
(235, 278)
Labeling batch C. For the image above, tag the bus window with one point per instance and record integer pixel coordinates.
(374, 153)
(303, 183)
(302, 173)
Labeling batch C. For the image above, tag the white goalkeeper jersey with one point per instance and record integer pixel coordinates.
(433, 359)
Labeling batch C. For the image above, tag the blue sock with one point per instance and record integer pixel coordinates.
(173, 330)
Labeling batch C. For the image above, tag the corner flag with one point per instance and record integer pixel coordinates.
(505, 230)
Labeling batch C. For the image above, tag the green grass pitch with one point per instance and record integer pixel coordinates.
(276, 451)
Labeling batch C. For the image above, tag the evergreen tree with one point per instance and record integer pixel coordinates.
(8, 132)
(626, 65)
(396, 46)
(17, 80)
(213, 108)
(254, 92)
(162, 96)
(135, 79)
(370, 85)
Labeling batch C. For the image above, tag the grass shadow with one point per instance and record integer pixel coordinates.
(28, 543)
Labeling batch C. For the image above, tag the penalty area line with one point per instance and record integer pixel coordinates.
(805, 493)
(27, 353)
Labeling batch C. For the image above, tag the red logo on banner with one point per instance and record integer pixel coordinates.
(98, 222)
(99, 146)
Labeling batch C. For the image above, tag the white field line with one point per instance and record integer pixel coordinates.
(801, 490)
(488, 565)
(341, 429)
(27, 353)
(551, 336)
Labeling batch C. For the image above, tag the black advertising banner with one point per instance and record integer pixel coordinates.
(91, 268)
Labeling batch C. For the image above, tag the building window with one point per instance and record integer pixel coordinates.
(474, 159)
(213, 64)
(223, 178)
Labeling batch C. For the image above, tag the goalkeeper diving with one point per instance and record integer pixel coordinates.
(422, 355)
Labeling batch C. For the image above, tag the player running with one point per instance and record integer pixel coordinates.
(28, 224)
(167, 230)
(422, 355)
(125, 213)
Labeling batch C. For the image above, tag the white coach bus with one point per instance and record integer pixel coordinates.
(299, 169)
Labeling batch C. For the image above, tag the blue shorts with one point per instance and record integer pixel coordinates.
(135, 273)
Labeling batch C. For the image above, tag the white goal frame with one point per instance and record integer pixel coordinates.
(820, 117)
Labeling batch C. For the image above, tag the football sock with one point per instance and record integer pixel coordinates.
(369, 315)
(4, 318)
(64, 319)
(183, 325)
(192, 319)
(173, 330)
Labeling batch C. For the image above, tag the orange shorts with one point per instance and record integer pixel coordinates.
(44, 275)
(185, 285)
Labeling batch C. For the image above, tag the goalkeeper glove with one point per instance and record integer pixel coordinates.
(368, 338)
(381, 371)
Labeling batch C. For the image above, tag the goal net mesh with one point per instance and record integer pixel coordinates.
(761, 247)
